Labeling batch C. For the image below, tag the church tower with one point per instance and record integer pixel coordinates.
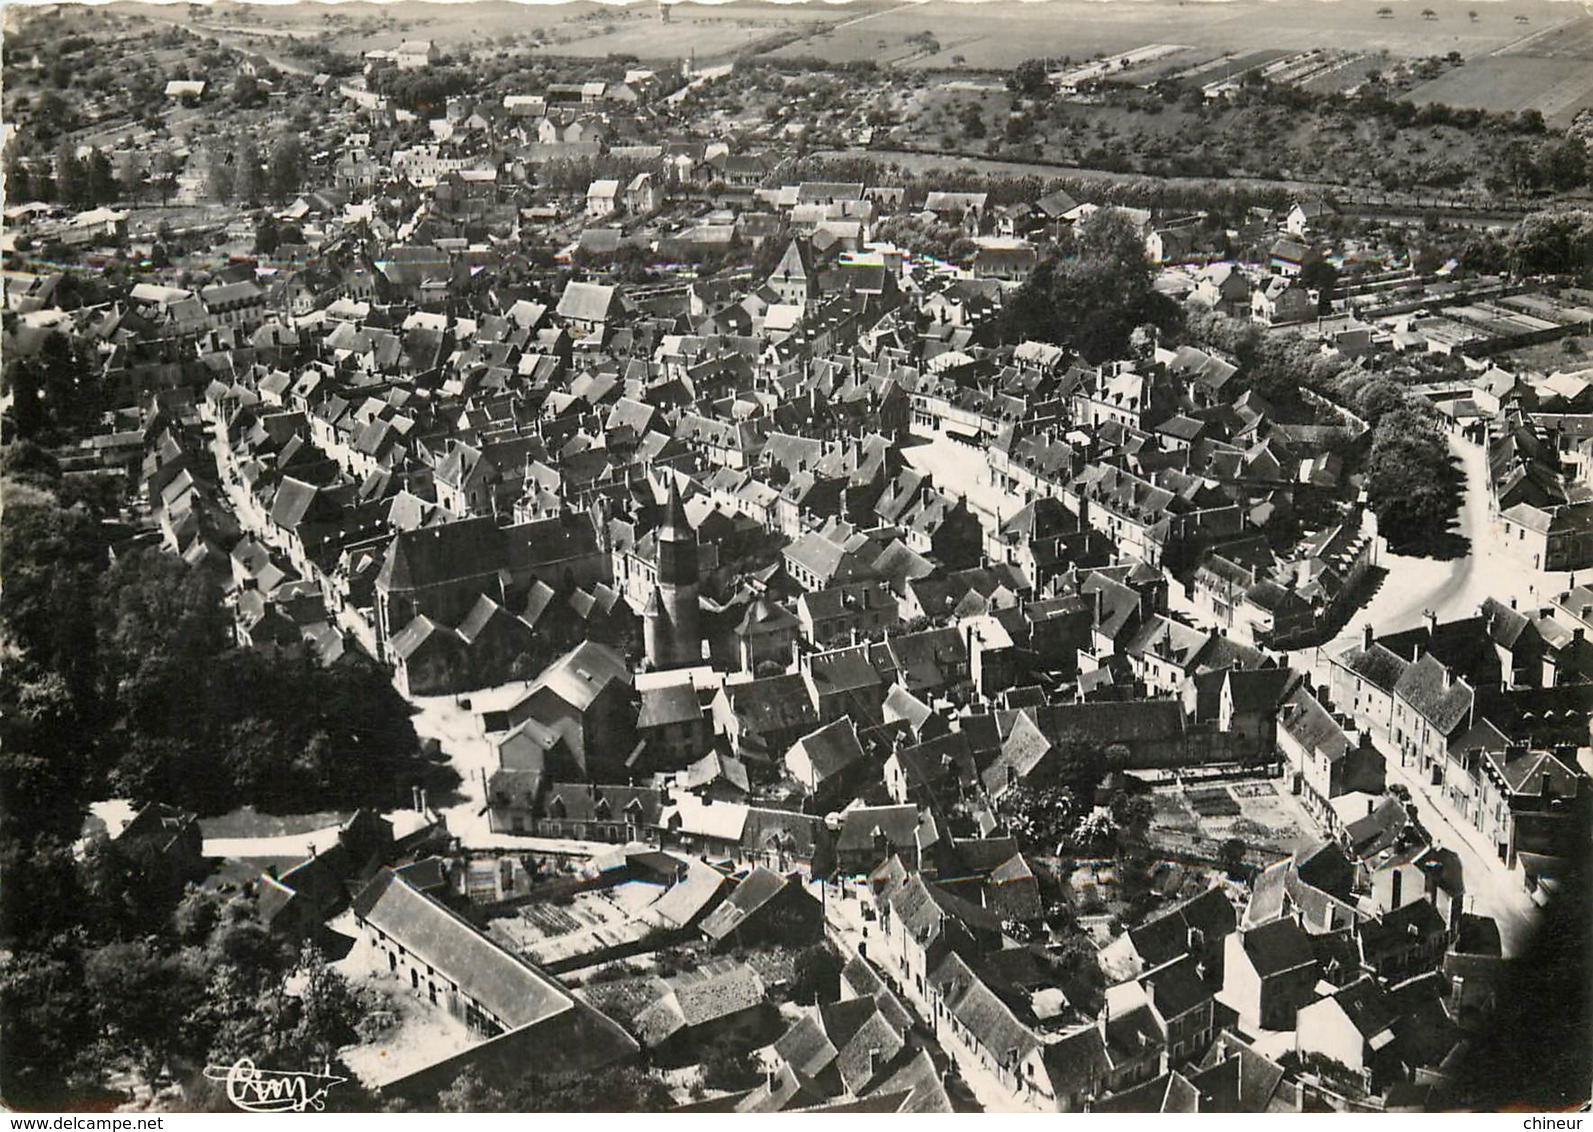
(672, 637)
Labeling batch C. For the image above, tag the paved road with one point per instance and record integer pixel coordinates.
(1452, 590)
(1413, 587)
(1490, 889)
(843, 914)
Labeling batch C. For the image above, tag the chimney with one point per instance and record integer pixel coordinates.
(314, 852)
(1366, 636)
(1370, 805)
(1432, 622)
(425, 807)
(414, 798)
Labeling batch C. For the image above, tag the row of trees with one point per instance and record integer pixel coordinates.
(241, 175)
(1552, 242)
(73, 181)
(1413, 483)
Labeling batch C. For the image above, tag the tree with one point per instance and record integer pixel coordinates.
(1132, 812)
(219, 177)
(45, 1019)
(71, 178)
(287, 167)
(1038, 816)
(1097, 829)
(727, 1065)
(1563, 165)
(973, 124)
(1321, 276)
(1554, 242)
(1080, 764)
(246, 186)
(1411, 481)
(246, 92)
(18, 184)
(102, 186)
(1095, 298)
(267, 236)
(163, 175)
(329, 1008)
(1029, 79)
(816, 975)
(1231, 856)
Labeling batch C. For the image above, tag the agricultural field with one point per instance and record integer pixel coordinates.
(709, 34)
(1556, 86)
(578, 29)
(358, 26)
(1002, 33)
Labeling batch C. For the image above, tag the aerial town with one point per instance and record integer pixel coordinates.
(675, 560)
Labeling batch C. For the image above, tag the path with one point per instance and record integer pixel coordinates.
(870, 16)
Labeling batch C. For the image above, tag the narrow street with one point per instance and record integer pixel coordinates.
(1491, 890)
(1412, 587)
(852, 933)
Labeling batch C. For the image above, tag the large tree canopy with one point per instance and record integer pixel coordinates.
(1093, 295)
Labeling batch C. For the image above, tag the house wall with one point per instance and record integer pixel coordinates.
(1325, 1029)
(1241, 986)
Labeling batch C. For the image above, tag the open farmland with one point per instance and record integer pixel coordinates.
(1556, 87)
(1549, 70)
(358, 26)
(1000, 34)
(707, 32)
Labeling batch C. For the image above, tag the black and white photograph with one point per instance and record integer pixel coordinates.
(823, 556)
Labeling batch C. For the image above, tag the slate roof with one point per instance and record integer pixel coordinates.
(673, 703)
(772, 703)
(761, 886)
(1378, 666)
(1166, 936)
(581, 675)
(830, 750)
(514, 991)
(1434, 693)
(1278, 947)
(588, 302)
(899, 825)
(432, 555)
(698, 998)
